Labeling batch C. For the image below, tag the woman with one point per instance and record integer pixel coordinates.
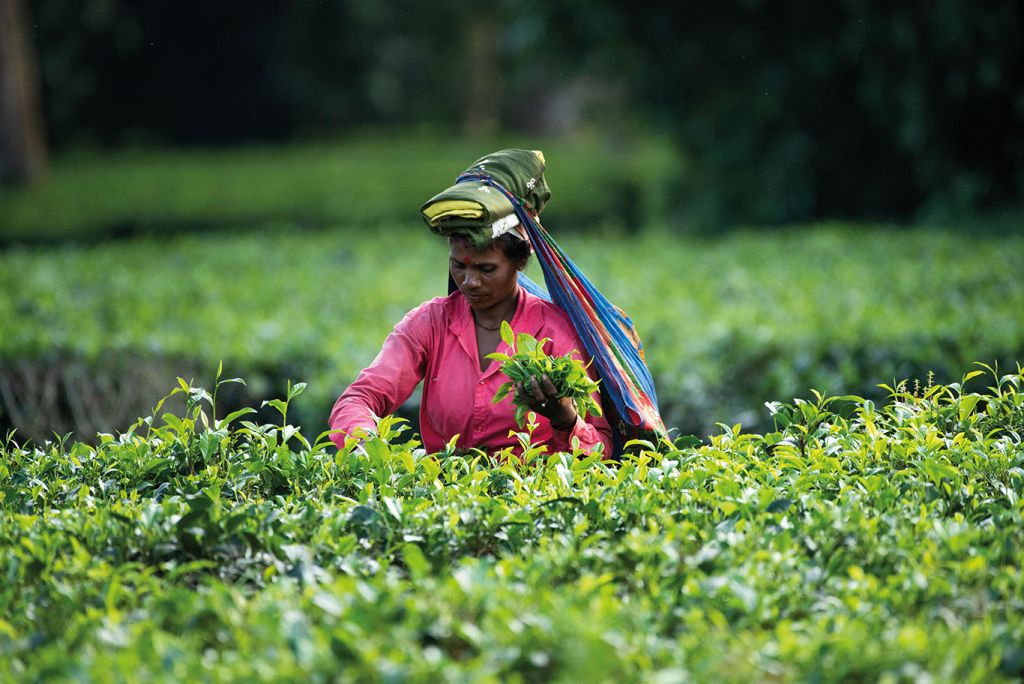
(445, 341)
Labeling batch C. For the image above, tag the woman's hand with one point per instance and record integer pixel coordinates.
(541, 397)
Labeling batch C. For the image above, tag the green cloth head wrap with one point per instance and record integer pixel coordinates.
(480, 212)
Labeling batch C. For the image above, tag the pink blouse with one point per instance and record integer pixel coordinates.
(436, 342)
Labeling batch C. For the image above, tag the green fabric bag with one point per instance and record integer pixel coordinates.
(481, 213)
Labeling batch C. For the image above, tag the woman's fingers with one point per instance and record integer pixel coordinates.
(537, 393)
(549, 389)
(530, 393)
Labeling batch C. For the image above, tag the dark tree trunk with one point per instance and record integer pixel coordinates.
(22, 136)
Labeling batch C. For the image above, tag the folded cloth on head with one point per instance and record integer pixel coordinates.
(479, 212)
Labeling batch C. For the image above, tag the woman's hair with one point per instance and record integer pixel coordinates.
(514, 248)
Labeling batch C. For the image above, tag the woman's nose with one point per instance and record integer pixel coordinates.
(469, 279)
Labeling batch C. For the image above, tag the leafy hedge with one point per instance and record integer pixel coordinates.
(367, 179)
(856, 541)
(728, 323)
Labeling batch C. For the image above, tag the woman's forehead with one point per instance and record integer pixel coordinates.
(463, 251)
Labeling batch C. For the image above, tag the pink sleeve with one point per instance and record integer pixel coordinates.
(590, 432)
(387, 382)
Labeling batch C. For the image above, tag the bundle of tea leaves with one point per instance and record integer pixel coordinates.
(528, 360)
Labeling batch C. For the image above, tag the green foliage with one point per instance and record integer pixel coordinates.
(567, 374)
(786, 111)
(370, 179)
(855, 541)
(727, 324)
(790, 112)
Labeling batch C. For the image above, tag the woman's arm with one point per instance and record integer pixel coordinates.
(590, 432)
(387, 382)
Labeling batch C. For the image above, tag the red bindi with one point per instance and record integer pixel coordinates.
(467, 261)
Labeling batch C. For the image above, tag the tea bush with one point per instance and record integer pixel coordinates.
(855, 541)
(728, 323)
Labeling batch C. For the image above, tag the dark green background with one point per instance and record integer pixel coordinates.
(787, 111)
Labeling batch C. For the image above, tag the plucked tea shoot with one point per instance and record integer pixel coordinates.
(528, 360)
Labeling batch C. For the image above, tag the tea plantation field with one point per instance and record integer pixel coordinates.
(92, 335)
(863, 533)
(367, 178)
(856, 541)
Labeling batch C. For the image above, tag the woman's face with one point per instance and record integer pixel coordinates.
(486, 277)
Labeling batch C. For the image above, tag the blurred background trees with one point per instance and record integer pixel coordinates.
(786, 111)
(795, 110)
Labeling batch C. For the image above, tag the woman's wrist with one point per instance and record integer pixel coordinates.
(564, 425)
